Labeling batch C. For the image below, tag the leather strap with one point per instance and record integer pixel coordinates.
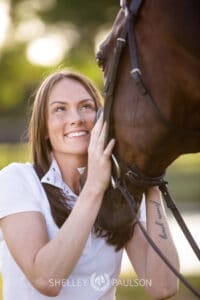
(111, 81)
(172, 206)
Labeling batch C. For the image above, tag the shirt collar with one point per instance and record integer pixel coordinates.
(53, 177)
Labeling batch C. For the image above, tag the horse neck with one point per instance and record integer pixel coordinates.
(170, 64)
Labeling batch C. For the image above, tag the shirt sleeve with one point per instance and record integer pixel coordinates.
(17, 193)
(142, 210)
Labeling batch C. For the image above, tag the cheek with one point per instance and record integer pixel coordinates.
(91, 125)
(92, 120)
(53, 125)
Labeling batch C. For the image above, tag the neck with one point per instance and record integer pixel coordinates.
(69, 165)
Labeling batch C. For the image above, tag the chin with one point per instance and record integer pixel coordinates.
(77, 151)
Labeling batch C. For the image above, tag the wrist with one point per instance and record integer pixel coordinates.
(93, 190)
(153, 192)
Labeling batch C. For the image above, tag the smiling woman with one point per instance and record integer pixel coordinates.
(71, 117)
(50, 211)
(65, 102)
(46, 201)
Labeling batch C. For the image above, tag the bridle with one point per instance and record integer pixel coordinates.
(133, 174)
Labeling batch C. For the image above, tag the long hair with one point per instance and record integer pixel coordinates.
(105, 224)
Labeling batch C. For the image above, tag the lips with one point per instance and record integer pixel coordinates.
(76, 134)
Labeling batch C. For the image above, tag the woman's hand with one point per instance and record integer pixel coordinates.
(99, 163)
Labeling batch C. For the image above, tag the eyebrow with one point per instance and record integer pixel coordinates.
(65, 103)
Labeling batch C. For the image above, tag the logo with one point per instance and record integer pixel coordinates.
(99, 282)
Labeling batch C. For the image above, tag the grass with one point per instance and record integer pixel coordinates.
(128, 292)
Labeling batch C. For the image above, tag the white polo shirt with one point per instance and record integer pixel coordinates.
(99, 265)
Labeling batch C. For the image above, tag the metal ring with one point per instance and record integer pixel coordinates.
(113, 182)
(121, 40)
(118, 171)
(136, 70)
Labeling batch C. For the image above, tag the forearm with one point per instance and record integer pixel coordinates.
(58, 257)
(158, 229)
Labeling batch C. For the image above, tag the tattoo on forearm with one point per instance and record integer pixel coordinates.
(163, 234)
(158, 209)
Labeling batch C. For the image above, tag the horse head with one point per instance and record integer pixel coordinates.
(151, 133)
(168, 52)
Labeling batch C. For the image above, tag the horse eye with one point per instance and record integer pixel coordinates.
(100, 59)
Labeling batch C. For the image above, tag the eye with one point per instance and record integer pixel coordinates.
(100, 59)
(60, 108)
(87, 106)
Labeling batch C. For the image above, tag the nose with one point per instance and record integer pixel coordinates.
(74, 117)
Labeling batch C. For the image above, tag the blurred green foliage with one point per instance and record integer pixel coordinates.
(86, 15)
(19, 77)
(13, 153)
(184, 180)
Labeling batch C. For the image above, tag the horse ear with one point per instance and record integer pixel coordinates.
(99, 112)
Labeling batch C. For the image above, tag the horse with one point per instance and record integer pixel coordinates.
(169, 59)
(151, 66)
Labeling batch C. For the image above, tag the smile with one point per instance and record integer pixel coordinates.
(76, 134)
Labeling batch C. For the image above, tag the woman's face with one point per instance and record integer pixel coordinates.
(71, 117)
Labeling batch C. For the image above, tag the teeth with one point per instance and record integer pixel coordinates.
(79, 133)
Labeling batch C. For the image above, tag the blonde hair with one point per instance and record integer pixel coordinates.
(37, 132)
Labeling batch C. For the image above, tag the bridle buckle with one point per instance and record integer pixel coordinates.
(114, 181)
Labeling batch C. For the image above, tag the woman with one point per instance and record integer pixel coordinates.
(48, 217)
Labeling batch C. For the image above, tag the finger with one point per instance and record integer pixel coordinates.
(109, 148)
(102, 135)
(99, 120)
(96, 131)
(99, 113)
(97, 127)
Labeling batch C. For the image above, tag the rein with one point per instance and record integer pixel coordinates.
(133, 174)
